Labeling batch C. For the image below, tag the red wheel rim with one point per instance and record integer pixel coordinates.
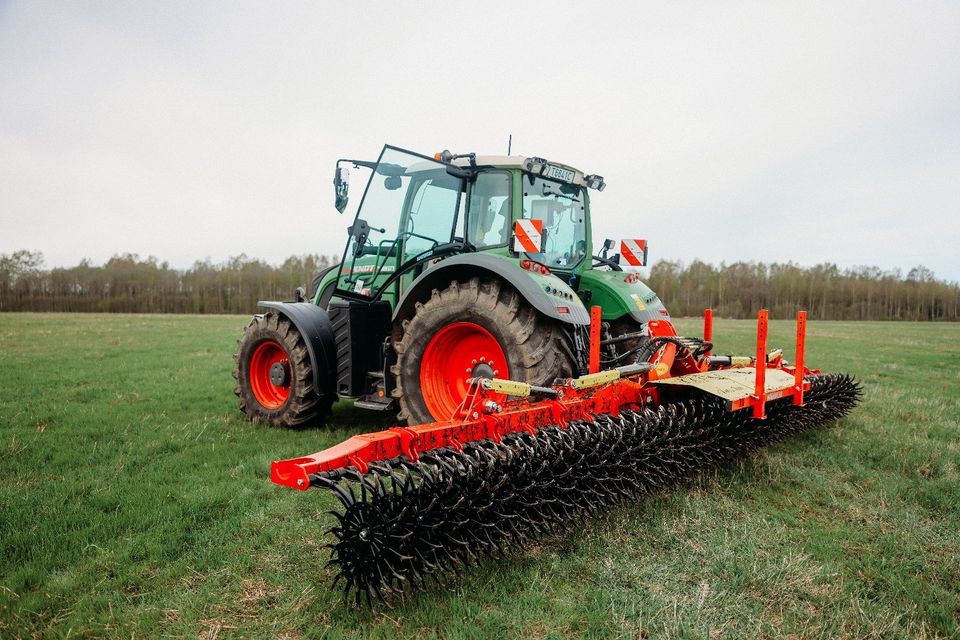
(270, 395)
(457, 352)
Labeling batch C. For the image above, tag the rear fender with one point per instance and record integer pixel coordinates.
(314, 325)
(548, 294)
(620, 298)
(327, 277)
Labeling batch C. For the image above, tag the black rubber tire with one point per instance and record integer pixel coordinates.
(304, 406)
(537, 349)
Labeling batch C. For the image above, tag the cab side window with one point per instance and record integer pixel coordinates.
(432, 211)
(490, 209)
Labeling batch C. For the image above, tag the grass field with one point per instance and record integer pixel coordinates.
(135, 501)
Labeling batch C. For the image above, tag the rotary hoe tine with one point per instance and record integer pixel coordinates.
(334, 486)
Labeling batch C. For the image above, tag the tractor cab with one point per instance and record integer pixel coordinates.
(416, 209)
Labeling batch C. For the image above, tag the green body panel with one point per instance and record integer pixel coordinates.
(364, 264)
(618, 298)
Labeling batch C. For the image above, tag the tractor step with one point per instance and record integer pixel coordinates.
(374, 405)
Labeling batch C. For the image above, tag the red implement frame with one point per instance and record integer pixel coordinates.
(758, 400)
(525, 415)
(708, 326)
(595, 319)
(760, 394)
(481, 419)
(801, 345)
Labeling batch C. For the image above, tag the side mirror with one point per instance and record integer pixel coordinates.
(341, 185)
(392, 183)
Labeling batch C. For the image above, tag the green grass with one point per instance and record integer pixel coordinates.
(135, 501)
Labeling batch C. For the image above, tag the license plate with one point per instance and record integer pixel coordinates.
(558, 173)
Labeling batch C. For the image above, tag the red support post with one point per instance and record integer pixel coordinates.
(595, 339)
(708, 326)
(760, 394)
(801, 343)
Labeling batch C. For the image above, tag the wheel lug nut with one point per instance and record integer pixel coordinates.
(483, 358)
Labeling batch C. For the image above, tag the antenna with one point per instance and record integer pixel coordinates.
(509, 143)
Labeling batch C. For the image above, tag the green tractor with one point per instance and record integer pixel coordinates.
(456, 267)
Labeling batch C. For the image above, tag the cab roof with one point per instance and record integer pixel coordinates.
(504, 161)
(517, 162)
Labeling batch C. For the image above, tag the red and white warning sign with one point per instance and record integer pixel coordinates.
(633, 253)
(528, 236)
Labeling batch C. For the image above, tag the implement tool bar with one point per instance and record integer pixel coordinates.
(760, 392)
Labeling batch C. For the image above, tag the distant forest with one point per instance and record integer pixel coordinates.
(128, 283)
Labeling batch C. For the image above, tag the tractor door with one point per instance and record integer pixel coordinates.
(411, 206)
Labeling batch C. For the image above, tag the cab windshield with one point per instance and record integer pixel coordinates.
(411, 205)
(561, 208)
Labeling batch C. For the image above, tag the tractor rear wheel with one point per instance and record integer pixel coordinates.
(479, 328)
(274, 375)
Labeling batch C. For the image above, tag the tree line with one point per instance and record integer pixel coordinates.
(128, 283)
(826, 291)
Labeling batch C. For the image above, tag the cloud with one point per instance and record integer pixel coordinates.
(752, 131)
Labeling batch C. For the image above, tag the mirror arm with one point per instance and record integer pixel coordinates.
(610, 262)
(358, 163)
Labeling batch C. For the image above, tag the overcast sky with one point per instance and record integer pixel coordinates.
(726, 131)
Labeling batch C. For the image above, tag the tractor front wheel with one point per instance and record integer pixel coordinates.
(274, 375)
(479, 328)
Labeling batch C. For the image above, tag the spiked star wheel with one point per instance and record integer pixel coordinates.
(404, 523)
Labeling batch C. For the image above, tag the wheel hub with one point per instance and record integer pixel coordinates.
(482, 370)
(280, 374)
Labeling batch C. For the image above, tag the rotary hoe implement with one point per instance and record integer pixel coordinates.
(519, 461)
(535, 385)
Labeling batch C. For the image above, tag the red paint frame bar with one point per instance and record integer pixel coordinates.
(707, 327)
(595, 320)
(760, 394)
(801, 347)
(523, 415)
